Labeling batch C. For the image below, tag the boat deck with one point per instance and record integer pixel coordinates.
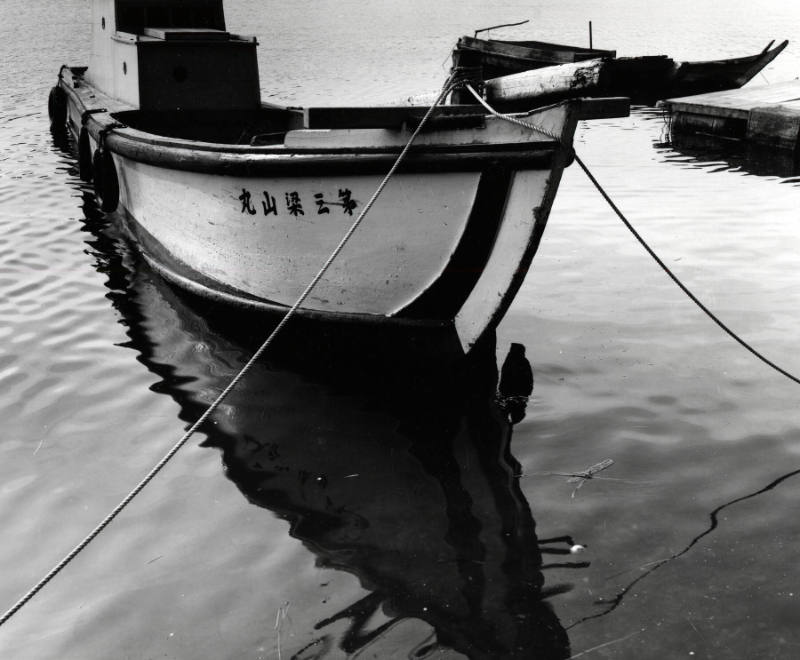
(767, 115)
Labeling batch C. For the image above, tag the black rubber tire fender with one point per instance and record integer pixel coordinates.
(106, 182)
(84, 155)
(57, 109)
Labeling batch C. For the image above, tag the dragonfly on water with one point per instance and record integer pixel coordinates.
(589, 472)
(583, 476)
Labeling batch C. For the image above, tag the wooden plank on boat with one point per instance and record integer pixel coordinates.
(535, 88)
(551, 82)
(383, 116)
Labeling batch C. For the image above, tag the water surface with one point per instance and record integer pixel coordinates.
(347, 508)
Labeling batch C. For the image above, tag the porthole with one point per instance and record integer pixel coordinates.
(103, 22)
(180, 73)
(125, 68)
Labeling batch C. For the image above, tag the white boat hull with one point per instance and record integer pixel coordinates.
(244, 234)
(447, 243)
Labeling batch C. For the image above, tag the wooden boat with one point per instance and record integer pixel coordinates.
(242, 202)
(717, 75)
(644, 80)
(500, 57)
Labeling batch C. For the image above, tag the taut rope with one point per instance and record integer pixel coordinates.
(642, 242)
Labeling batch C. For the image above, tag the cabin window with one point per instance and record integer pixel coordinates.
(125, 68)
(180, 73)
(134, 16)
(103, 22)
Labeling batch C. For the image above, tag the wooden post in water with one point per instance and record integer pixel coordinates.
(590, 34)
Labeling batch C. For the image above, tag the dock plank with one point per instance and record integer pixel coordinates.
(764, 114)
(709, 110)
(743, 99)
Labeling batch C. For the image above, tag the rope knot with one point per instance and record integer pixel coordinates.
(463, 76)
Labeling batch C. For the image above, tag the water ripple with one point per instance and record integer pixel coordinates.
(625, 369)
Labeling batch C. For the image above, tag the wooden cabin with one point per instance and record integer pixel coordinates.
(171, 55)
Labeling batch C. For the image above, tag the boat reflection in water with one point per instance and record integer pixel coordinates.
(395, 471)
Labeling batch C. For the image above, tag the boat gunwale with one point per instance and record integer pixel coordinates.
(347, 162)
(766, 54)
(751, 65)
(233, 151)
(103, 119)
(254, 160)
(514, 49)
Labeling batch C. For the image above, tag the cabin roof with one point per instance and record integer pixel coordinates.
(135, 16)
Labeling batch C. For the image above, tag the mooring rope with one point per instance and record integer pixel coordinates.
(236, 379)
(642, 242)
(680, 284)
(511, 118)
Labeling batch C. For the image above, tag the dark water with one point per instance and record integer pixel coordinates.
(338, 506)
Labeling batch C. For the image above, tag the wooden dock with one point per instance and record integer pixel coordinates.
(766, 115)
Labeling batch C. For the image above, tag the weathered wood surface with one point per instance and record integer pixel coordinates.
(499, 58)
(775, 126)
(522, 83)
(556, 81)
(520, 91)
(736, 102)
(767, 114)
